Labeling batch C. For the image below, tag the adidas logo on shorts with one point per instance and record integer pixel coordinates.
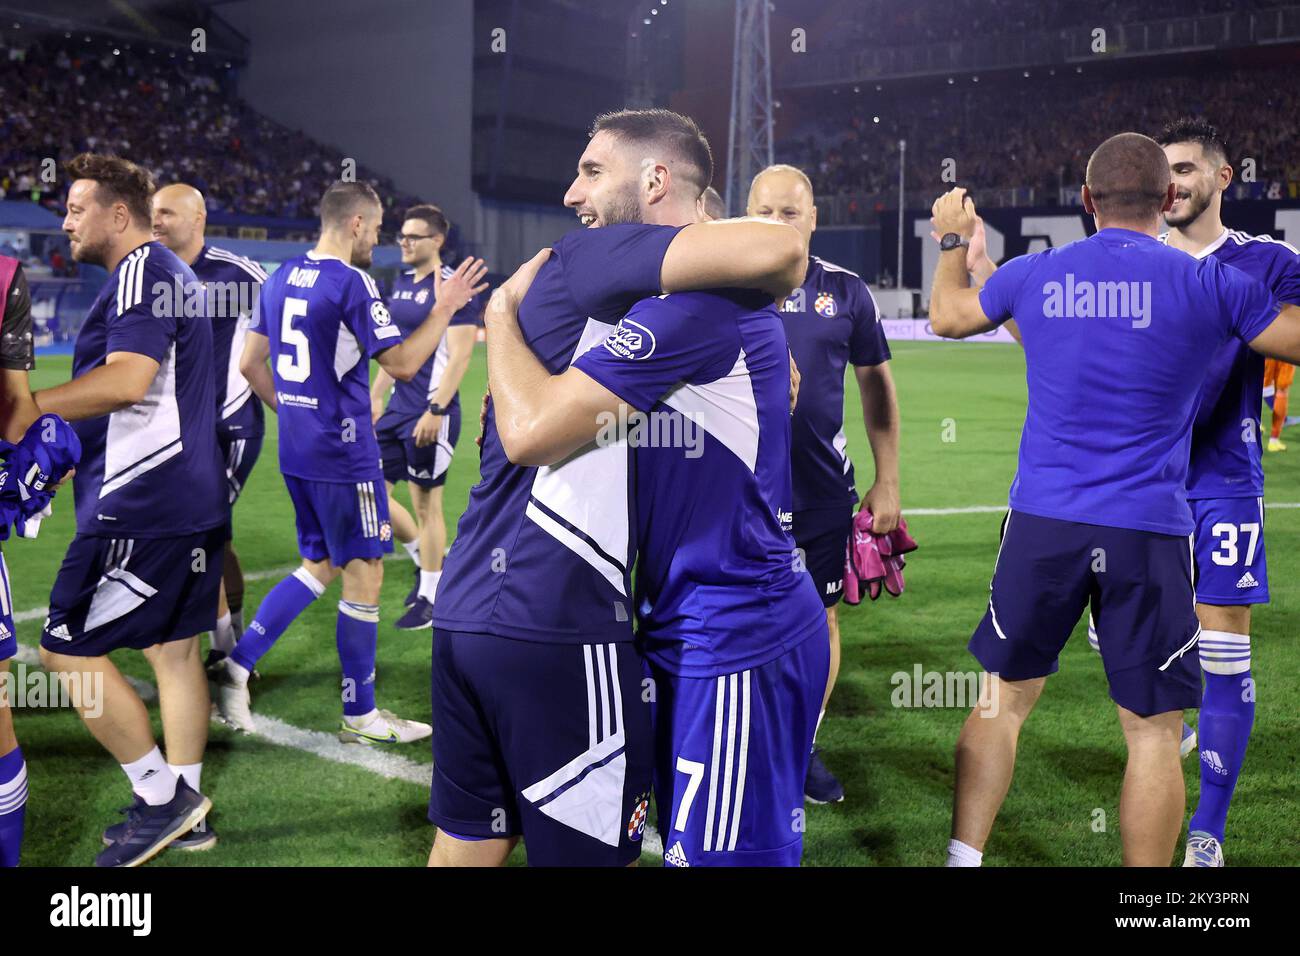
(61, 631)
(1248, 581)
(676, 856)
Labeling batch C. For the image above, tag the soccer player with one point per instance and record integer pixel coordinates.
(543, 719)
(418, 432)
(233, 284)
(830, 322)
(320, 318)
(1225, 478)
(17, 412)
(1115, 329)
(144, 568)
(1278, 376)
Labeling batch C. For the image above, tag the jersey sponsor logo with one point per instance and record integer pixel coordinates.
(422, 296)
(298, 401)
(631, 340)
(636, 823)
(676, 856)
(1247, 581)
(379, 312)
(824, 304)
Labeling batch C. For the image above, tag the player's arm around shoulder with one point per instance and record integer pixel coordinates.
(736, 253)
(955, 308)
(540, 418)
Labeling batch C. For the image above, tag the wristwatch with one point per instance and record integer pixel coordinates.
(952, 240)
(436, 409)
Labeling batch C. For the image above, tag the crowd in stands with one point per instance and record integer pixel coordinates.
(1035, 132)
(859, 22)
(175, 114)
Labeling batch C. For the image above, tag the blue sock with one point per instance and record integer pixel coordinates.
(13, 803)
(358, 637)
(1227, 714)
(277, 611)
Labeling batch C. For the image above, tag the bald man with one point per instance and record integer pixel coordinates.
(831, 322)
(233, 284)
(1099, 515)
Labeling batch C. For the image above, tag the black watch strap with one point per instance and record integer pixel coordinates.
(436, 409)
(952, 240)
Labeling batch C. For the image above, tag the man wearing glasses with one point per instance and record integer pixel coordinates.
(418, 431)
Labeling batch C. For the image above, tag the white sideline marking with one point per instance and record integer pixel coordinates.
(318, 743)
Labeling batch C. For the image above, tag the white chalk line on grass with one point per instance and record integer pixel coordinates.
(318, 743)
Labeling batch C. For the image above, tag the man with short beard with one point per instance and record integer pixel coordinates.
(539, 690)
(232, 284)
(144, 567)
(1225, 480)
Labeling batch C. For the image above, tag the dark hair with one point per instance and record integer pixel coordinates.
(431, 214)
(343, 200)
(116, 180)
(1128, 177)
(679, 135)
(1191, 129)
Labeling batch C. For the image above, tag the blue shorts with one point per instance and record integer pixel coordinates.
(340, 521)
(1139, 586)
(112, 593)
(731, 759)
(546, 741)
(8, 632)
(823, 536)
(403, 461)
(1230, 564)
(239, 455)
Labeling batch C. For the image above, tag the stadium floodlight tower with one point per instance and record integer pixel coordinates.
(749, 136)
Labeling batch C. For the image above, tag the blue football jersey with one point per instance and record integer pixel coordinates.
(830, 322)
(233, 285)
(151, 470)
(410, 303)
(325, 320)
(1116, 328)
(719, 589)
(1226, 460)
(543, 554)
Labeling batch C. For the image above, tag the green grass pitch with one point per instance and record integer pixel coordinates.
(279, 806)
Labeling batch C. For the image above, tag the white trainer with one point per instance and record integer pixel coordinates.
(233, 700)
(382, 728)
(1202, 850)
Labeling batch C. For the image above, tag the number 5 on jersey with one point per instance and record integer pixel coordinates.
(295, 367)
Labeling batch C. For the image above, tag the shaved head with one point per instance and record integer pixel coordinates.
(179, 217)
(1128, 178)
(784, 194)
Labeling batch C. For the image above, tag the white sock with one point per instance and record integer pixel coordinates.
(429, 584)
(237, 671)
(820, 717)
(223, 637)
(151, 778)
(413, 549)
(959, 854)
(192, 772)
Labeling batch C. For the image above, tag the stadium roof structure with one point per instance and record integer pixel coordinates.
(164, 23)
